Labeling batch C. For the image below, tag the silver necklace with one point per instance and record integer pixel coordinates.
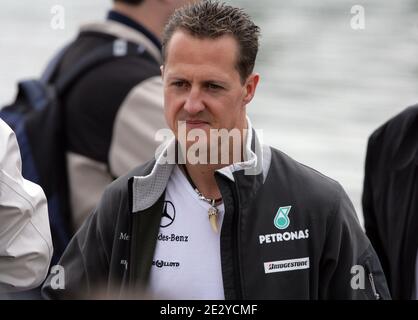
(213, 211)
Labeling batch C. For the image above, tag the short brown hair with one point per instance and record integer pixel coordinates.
(213, 19)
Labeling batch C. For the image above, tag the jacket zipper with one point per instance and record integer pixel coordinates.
(371, 279)
(236, 256)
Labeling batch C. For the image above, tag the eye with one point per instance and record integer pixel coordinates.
(213, 86)
(179, 84)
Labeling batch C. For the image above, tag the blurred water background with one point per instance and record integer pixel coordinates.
(324, 85)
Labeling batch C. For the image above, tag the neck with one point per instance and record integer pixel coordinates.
(143, 14)
(203, 176)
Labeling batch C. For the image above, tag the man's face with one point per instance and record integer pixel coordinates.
(202, 86)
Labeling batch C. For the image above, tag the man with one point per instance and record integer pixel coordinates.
(113, 111)
(390, 200)
(25, 238)
(257, 226)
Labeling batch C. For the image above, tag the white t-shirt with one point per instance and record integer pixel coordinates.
(187, 263)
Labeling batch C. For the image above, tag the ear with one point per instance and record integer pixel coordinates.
(162, 71)
(250, 87)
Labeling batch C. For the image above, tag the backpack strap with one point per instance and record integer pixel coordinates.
(52, 66)
(116, 49)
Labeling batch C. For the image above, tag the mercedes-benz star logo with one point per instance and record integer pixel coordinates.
(169, 214)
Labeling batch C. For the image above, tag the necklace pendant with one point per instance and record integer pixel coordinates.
(213, 215)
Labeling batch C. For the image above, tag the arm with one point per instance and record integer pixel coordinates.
(350, 268)
(368, 202)
(139, 118)
(25, 238)
(84, 266)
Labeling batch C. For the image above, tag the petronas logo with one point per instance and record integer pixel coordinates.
(281, 220)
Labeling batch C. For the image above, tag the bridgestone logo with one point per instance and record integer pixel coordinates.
(286, 265)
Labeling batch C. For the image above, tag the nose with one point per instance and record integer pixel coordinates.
(194, 103)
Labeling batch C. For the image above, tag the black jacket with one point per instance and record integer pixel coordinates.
(115, 246)
(390, 199)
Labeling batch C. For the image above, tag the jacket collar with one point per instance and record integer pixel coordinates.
(122, 31)
(147, 189)
(119, 17)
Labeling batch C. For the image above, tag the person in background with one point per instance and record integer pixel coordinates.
(113, 111)
(244, 221)
(25, 238)
(390, 200)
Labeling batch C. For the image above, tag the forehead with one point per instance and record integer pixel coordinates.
(217, 55)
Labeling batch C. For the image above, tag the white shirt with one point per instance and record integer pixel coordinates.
(187, 262)
(25, 237)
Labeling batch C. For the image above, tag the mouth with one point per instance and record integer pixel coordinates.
(191, 124)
